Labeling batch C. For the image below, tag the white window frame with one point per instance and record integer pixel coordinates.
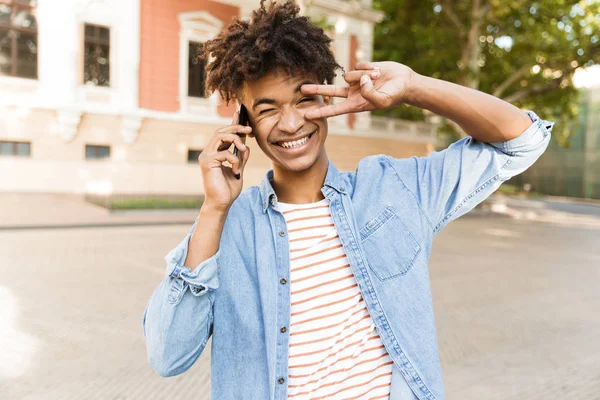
(195, 26)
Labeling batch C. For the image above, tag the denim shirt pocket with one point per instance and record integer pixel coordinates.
(390, 247)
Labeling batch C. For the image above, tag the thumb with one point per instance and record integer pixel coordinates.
(369, 92)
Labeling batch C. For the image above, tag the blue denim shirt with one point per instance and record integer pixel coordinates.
(386, 214)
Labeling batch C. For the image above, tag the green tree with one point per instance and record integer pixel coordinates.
(521, 51)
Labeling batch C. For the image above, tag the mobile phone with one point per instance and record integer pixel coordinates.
(243, 119)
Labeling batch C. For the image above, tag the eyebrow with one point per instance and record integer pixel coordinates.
(264, 100)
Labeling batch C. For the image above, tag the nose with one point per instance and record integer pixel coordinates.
(291, 120)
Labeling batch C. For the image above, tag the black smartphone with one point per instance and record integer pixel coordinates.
(243, 119)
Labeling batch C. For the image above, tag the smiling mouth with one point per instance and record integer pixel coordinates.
(295, 143)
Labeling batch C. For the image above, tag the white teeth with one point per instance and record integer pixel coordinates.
(296, 143)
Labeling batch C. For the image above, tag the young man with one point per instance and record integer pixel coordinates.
(314, 285)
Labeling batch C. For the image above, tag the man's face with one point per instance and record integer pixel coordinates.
(276, 108)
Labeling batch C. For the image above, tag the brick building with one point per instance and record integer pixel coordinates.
(105, 96)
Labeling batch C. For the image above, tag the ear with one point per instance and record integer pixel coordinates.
(327, 100)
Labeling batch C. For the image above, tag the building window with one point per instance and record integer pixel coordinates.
(196, 71)
(93, 152)
(22, 149)
(96, 55)
(193, 156)
(18, 38)
(197, 27)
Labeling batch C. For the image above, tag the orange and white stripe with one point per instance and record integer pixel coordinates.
(335, 351)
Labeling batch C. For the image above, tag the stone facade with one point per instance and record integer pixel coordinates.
(145, 116)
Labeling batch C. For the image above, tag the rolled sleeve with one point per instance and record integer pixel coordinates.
(201, 280)
(538, 132)
(176, 324)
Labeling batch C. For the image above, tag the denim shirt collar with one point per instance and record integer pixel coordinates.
(333, 179)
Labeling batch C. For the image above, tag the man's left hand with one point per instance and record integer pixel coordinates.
(371, 86)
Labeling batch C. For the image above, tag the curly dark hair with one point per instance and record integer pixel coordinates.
(275, 37)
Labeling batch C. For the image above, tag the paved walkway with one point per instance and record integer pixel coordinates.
(516, 303)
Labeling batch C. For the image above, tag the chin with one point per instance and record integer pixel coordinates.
(297, 165)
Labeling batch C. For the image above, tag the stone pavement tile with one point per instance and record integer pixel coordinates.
(517, 318)
(71, 306)
(507, 372)
(516, 306)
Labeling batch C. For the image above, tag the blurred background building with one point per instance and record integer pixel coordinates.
(572, 171)
(107, 96)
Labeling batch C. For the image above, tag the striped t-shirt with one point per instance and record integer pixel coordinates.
(335, 351)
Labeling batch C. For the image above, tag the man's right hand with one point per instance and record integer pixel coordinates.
(221, 187)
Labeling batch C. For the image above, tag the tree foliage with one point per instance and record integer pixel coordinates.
(524, 52)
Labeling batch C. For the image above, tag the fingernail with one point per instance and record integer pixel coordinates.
(364, 79)
(375, 74)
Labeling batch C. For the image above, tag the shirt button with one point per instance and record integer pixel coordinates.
(196, 290)
(281, 380)
(283, 329)
(282, 233)
(283, 281)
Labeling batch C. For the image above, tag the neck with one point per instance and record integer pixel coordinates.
(301, 187)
